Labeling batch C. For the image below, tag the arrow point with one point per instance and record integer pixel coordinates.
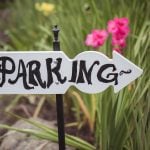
(127, 71)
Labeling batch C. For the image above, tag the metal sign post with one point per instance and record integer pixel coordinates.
(59, 99)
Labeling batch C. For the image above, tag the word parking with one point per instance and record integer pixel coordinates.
(53, 72)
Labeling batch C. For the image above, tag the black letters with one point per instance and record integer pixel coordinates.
(4, 70)
(22, 74)
(87, 74)
(103, 68)
(74, 71)
(35, 73)
(54, 70)
(29, 72)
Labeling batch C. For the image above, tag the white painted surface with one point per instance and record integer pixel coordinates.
(96, 86)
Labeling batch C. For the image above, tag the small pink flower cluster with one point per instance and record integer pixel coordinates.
(96, 38)
(118, 28)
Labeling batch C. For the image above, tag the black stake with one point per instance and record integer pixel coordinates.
(59, 99)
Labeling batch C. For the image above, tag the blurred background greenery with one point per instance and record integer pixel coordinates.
(117, 121)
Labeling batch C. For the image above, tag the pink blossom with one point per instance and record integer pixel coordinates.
(124, 31)
(118, 25)
(121, 21)
(119, 42)
(112, 27)
(119, 28)
(96, 38)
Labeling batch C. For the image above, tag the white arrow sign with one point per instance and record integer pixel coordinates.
(53, 72)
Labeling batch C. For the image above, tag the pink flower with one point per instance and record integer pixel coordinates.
(119, 28)
(96, 38)
(121, 21)
(119, 42)
(112, 27)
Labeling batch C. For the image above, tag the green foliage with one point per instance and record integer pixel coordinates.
(119, 121)
(44, 132)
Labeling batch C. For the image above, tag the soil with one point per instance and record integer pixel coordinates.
(26, 107)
